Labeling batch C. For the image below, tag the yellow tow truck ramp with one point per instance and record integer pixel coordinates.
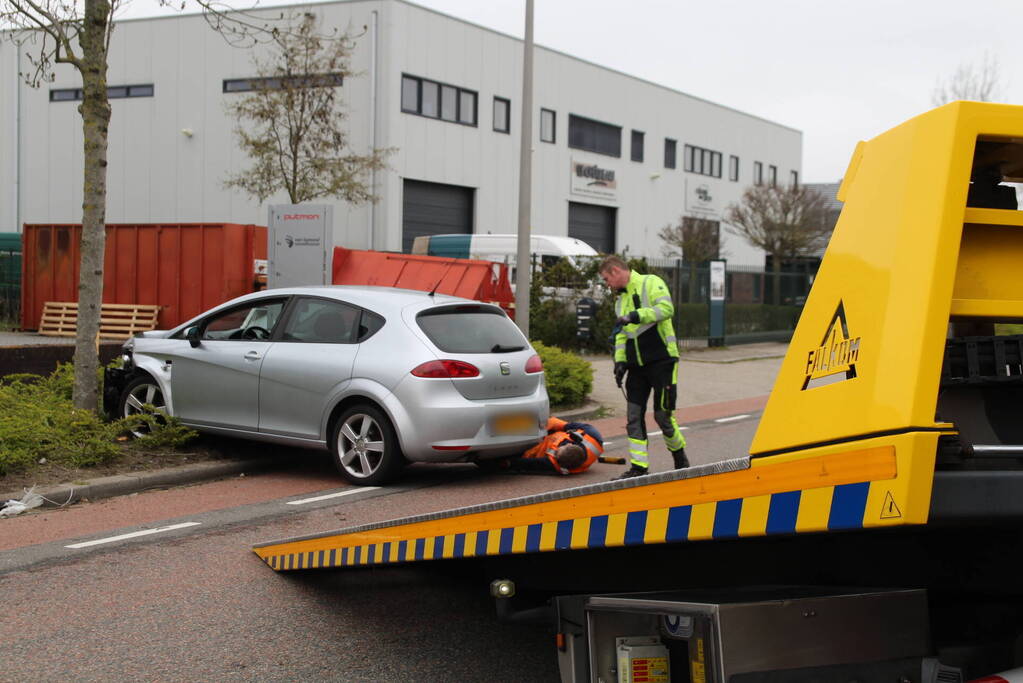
(893, 367)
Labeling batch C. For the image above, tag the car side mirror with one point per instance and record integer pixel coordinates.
(192, 335)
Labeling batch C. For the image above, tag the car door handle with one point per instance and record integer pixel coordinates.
(253, 355)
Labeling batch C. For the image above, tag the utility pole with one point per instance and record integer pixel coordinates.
(524, 267)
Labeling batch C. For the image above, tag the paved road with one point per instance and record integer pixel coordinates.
(192, 602)
(195, 604)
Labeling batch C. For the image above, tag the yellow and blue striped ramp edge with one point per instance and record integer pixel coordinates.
(830, 489)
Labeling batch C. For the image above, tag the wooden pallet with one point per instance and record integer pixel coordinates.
(117, 321)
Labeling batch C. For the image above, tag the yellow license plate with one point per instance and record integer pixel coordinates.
(515, 424)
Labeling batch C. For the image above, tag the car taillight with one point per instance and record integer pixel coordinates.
(446, 369)
(534, 365)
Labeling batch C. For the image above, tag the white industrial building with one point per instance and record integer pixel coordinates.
(616, 158)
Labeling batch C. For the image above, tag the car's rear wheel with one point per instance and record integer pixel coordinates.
(365, 446)
(141, 393)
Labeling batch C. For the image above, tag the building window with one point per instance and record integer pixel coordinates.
(114, 92)
(733, 168)
(409, 94)
(439, 101)
(449, 103)
(594, 136)
(670, 152)
(772, 175)
(794, 178)
(637, 145)
(279, 83)
(548, 126)
(502, 115)
(429, 99)
(702, 161)
(467, 107)
(758, 173)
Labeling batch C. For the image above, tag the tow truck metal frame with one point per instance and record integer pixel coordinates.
(849, 437)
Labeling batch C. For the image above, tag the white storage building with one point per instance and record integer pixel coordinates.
(616, 158)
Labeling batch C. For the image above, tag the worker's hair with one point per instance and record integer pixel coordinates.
(613, 261)
(570, 456)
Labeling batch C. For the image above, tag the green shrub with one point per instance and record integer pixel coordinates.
(569, 377)
(38, 421)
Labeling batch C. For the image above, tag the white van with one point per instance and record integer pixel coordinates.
(504, 248)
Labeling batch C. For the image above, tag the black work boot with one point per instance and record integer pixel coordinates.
(679, 456)
(634, 471)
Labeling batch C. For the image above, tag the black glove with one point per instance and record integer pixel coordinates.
(620, 370)
(631, 319)
(574, 436)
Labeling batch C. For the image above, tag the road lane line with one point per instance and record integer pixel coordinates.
(732, 418)
(134, 534)
(332, 495)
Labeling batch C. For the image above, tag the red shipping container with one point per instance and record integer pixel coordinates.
(186, 268)
(469, 278)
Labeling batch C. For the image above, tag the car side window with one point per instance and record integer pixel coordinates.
(322, 321)
(255, 320)
(371, 323)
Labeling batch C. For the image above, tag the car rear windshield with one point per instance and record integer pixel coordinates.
(471, 329)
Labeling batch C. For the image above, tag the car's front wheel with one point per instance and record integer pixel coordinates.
(365, 446)
(136, 398)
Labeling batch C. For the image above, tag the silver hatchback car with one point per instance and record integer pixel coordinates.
(379, 376)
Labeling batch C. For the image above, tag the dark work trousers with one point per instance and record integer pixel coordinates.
(662, 380)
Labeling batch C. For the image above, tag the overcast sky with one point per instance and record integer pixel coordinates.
(838, 71)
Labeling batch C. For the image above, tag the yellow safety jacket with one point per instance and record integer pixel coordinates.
(652, 339)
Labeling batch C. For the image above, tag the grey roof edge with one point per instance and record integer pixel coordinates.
(489, 30)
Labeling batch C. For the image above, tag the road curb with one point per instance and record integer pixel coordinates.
(124, 484)
(588, 411)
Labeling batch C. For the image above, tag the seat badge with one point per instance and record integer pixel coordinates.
(505, 368)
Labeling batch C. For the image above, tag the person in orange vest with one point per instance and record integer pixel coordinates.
(568, 448)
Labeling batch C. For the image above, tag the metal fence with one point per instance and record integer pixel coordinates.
(10, 280)
(751, 314)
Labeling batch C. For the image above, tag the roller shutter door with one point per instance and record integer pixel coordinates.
(594, 225)
(434, 209)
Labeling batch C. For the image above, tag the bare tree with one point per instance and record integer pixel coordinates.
(980, 82)
(292, 124)
(786, 222)
(695, 240)
(76, 33)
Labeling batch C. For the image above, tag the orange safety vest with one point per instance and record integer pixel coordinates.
(556, 436)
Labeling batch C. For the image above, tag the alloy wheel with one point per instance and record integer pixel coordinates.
(361, 445)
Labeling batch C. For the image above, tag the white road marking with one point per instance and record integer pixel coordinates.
(134, 534)
(347, 492)
(730, 419)
(649, 434)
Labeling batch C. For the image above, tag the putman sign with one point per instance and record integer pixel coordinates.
(591, 180)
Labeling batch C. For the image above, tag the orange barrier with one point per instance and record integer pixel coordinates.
(472, 279)
(184, 268)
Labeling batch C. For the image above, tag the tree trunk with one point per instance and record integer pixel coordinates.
(95, 110)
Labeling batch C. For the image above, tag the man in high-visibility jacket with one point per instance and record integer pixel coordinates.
(568, 448)
(646, 350)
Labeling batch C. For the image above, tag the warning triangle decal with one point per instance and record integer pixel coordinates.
(890, 510)
(835, 358)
